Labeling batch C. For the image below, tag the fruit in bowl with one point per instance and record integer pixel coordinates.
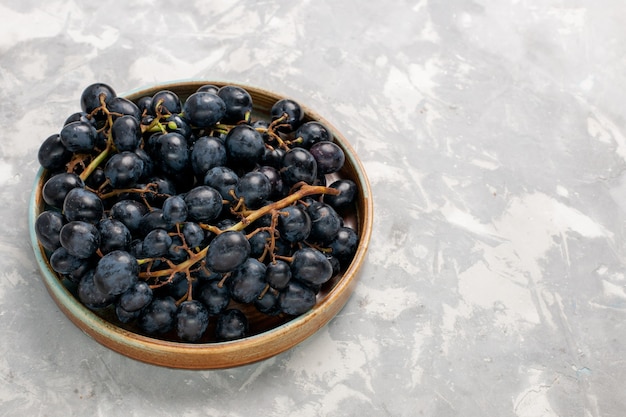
(199, 225)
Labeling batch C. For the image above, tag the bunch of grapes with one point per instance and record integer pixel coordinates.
(182, 218)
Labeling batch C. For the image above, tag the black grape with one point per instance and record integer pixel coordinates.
(347, 194)
(90, 295)
(328, 156)
(81, 239)
(215, 297)
(158, 317)
(311, 133)
(298, 165)
(311, 266)
(204, 109)
(82, 204)
(238, 104)
(244, 145)
(56, 188)
(296, 298)
(126, 133)
(47, 228)
(116, 272)
(247, 282)
(255, 188)
(192, 320)
(114, 235)
(293, 111)
(204, 203)
(294, 224)
(165, 102)
(232, 324)
(53, 154)
(135, 298)
(124, 169)
(227, 251)
(90, 98)
(78, 136)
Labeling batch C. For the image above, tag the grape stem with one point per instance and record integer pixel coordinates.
(304, 191)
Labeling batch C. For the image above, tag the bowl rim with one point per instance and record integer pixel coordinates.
(217, 355)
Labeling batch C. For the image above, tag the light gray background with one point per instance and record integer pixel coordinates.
(493, 132)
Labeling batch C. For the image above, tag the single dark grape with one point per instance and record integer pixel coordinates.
(325, 222)
(172, 153)
(329, 157)
(47, 228)
(244, 145)
(114, 235)
(207, 152)
(156, 243)
(215, 297)
(82, 204)
(347, 194)
(56, 188)
(227, 251)
(81, 239)
(299, 165)
(238, 104)
(144, 104)
(311, 266)
(258, 243)
(97, 179)
(247, 282)
(129, 212)
(294, 224)
(165, 102)
(292, 113)
(223, 179)
(273, 157)
(116, 272)
(125, 316)
(52, 154)
(64, 262)
(344, 246)
(126, 133)
(152, 220)
(121, 106)
(90, 98)
(277, 188)
(177, 252)
(192, 320)
(204, 109)
(268, 304)
(148, 164)
(90, 295)
(138, 296)
(278, 274)
(209, 88)
(159, 316)
(174, 210)
(78, 136)
(80, 116)
(124, 169)
(296, 298)
(232, 324)
(311, 133)
(194, 234)
(204, 203)
(255, 188)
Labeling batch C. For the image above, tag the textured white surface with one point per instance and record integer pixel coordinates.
(493, 133)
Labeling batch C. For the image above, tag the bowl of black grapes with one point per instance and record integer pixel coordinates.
(199, 224)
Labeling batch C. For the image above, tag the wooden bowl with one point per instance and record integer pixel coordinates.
(273, 335)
